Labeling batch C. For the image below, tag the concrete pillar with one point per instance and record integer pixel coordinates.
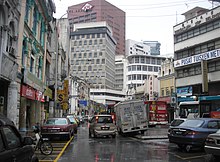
(12, 111)
(51, 108)
(43, 116)
(22, 114)
(33, 113)
(38, 112)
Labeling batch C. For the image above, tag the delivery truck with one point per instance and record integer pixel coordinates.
(131, 116)
(157, 111)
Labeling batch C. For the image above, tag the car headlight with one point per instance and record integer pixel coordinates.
(210, 140)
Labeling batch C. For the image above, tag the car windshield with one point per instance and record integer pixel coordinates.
(72, 119)
(192, 123)
(218, 131)
(56, 122)
(177, 122)
(105, 119)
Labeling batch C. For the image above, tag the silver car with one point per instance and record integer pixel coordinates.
(102, 125)
(212, 144)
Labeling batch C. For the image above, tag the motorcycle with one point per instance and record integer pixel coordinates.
(42, 144)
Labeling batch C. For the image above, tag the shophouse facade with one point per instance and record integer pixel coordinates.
(10, 12)
(197, 57)
(33, 31)
(167, 91)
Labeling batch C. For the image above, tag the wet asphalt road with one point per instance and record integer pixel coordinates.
(126, 149)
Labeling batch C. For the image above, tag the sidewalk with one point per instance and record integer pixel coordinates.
(158, 132)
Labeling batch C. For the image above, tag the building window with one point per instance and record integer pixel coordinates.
(150, 68)
(138, 76)
(162, 92)
(144, 68)
(103, 61)
(138, 67)
(32, 64)
(167, 91)
(136, 59)
(85, 55)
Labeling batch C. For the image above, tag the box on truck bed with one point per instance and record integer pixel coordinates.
(131, 116)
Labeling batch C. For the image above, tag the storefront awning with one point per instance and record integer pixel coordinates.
(209, 98)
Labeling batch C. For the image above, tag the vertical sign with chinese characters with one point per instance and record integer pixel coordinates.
(204, 76)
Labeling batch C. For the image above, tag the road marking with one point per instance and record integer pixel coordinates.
(186, 158)
(64, 148)
(61, 152)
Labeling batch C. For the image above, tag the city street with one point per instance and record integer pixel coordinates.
(132, 149)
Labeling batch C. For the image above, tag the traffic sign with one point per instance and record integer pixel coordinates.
(173, 101)
(60, 97)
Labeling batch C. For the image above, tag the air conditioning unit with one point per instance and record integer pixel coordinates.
(5, 27)
(11, 50)
(1, 100)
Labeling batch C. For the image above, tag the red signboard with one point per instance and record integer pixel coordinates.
(215, 114)
(28, 92)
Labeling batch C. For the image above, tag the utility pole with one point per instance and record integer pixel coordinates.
(56, 65)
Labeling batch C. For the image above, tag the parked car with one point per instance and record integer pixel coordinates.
(102, 125)
(73, 121)
(193, 132)
(57, 128)
(177, 122)
(14, 147)
(212, 144)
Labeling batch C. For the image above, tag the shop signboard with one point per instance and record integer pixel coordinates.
(28, 92)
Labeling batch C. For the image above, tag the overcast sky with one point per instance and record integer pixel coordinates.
(151, 20)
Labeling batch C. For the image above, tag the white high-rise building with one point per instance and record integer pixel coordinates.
(142, 68)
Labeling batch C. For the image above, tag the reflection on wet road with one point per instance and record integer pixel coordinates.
(124, 149)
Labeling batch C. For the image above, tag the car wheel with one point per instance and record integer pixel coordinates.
(75, 131)
(69, 136)
(217, 157)
(114, 135)
(94, 135)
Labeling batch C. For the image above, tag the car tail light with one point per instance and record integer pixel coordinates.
(96, 119)
(210, 140)
(64, 129)
(192, 133)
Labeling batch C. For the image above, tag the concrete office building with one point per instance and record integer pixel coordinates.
(101, 10)
(93, 59)
(120, 72)
(93, 54)
(197, 57)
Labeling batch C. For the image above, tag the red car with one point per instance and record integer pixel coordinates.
(57, 128)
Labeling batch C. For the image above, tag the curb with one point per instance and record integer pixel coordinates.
(151, 137)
